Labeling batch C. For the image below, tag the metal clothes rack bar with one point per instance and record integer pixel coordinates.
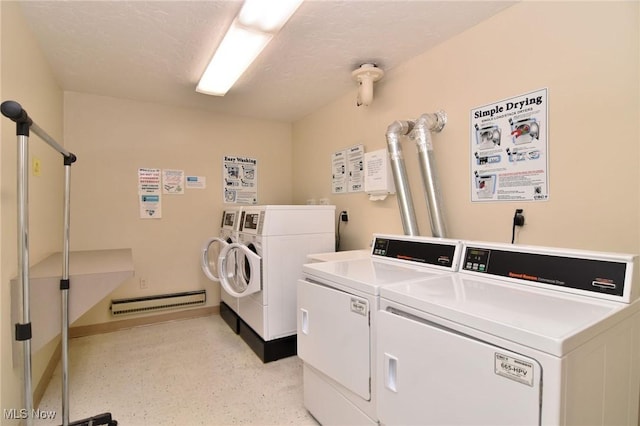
(23, 332)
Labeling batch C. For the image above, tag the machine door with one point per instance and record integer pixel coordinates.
(431, 375)
(240, 270)
(334, 335)
(209, 257)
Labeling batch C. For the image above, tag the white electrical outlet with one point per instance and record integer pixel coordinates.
(144, 283)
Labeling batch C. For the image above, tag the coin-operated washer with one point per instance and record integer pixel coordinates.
(231, 219)
(262, 268)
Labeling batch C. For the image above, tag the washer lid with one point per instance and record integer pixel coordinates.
(549, 321)
(394, 258)
(366, 275)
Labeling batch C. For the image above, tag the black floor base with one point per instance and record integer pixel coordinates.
(270, 350)
(230, 317)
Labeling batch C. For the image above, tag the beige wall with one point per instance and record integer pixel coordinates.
(113, 138)
(26, 78)
(585, 53)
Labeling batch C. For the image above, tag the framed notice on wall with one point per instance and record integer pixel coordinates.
(239, 180)
(509, 149)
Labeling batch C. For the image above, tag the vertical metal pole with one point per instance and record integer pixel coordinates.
(64, 287)
(65, 358)
(23, 266)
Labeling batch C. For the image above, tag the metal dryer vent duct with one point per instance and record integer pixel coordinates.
(420, 131)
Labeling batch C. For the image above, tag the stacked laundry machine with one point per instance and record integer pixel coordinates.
(258, 272)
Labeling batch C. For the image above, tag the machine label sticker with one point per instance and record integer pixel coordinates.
(514, 368)
(359, 307)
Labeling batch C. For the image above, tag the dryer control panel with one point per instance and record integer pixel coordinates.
(590, 273)
(419, 250)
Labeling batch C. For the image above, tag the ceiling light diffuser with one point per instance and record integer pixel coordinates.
(267, 16)
(237, 51)
(257, 22)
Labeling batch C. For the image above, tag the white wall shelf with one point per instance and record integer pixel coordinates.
(93, 275)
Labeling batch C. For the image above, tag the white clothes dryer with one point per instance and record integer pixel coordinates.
(262, 268)
(521, 336)
(229, 228)
(337, 306)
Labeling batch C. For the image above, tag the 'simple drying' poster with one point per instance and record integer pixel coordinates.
(509, 149)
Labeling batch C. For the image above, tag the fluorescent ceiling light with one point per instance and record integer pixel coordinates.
(237, 51)
(267, 16)
(257, 23)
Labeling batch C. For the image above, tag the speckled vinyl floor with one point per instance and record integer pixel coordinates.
(189, 372)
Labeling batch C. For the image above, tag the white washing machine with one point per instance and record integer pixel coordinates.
(229, 228)
(337, 306)
(520, 336)
(262, 268)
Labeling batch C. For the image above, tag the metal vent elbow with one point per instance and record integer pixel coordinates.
(398, 128)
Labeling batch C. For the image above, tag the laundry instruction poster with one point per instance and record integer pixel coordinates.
(347, 170)
(509, 149)
(355, 169)
(172, 181)
(339, 172)
(239, 180)
(149, 195)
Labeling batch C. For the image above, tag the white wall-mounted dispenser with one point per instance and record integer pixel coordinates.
(378, 178)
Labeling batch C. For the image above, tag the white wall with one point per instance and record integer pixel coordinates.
(27, 79)
(585, 53)
(113, 138)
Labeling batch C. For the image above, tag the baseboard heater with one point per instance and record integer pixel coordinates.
(137, 305)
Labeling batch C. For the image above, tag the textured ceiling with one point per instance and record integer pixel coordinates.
(155, 51)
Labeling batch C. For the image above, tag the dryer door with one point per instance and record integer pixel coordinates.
(431, 375)
(211, 250)
(240, 270)
(334, 335)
